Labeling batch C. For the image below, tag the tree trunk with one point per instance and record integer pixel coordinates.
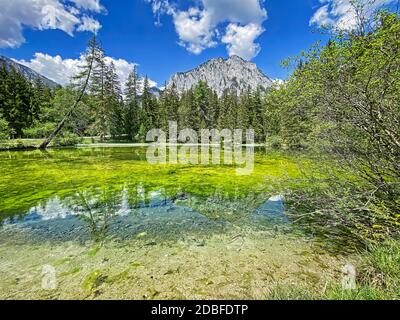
(61, 125)
(50, 138)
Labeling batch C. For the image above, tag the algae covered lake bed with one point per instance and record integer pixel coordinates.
(104, 224)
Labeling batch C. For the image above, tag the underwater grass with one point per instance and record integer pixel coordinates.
(28, 179)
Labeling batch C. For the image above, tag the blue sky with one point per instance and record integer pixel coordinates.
(160, 36)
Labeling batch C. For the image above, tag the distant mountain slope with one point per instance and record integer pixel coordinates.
(220, 74)
(26, 72)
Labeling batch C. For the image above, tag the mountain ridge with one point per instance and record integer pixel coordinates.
(233, 73)
(27, 72)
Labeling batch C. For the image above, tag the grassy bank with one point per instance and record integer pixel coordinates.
(378, 278)
(31, 144)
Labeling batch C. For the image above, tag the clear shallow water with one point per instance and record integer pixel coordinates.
(111, 225)
(159, 218)
(273, 210)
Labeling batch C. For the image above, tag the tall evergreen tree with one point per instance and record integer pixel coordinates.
(132, 112)
(150, 118)
(18, 102)
(228, 111)
(259, 122)
(3, 88)
(116, 111)
(4, 130)
(244, 119)
(98, 92)
(188, 117)
(203, 110)
(168, 107)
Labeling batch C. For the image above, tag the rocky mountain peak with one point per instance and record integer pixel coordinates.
(234, 74)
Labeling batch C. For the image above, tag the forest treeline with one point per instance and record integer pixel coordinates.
(31, 110)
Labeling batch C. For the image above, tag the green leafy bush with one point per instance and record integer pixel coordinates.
(4, 131)
(40, 130)
(275, 142)
(67, 139)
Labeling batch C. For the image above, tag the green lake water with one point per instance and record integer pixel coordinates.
(110, 225)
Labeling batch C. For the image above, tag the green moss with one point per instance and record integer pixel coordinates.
(31, 178)
(93, 252)
(141, 235)
(61, 261)
(71, 272)
(93, 280)
(303, 292)
(124, 275)
(136, 264)
(152, 293)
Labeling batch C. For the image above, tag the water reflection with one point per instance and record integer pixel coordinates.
(272, 211)
(103, 211)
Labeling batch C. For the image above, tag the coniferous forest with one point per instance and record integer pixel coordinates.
(31, 110)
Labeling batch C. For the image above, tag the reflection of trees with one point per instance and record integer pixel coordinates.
(222, 205)
(97, 208)
(135, 195)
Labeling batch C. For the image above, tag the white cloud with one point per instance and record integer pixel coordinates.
(240, 40)
(341, 14)
(89, 24)
(193, 28)
(62, 70)
(15, 15)
(54, 68)
(201, 25)
(91, 5)
(321, 17)
(239, 11)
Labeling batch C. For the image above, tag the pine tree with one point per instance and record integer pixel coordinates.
(98, 92)
(115, 112)
(244, 118)
(259, 122)
(187, 113)
(3, 87)
(38, 99)
(132, 112)
(17, 107)
(228, 110)
(215, 111)
(203, 110)
(163, 106)
(168, 107)
(173, 104)
(83, 81)
(4, 130)
(150, 119)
